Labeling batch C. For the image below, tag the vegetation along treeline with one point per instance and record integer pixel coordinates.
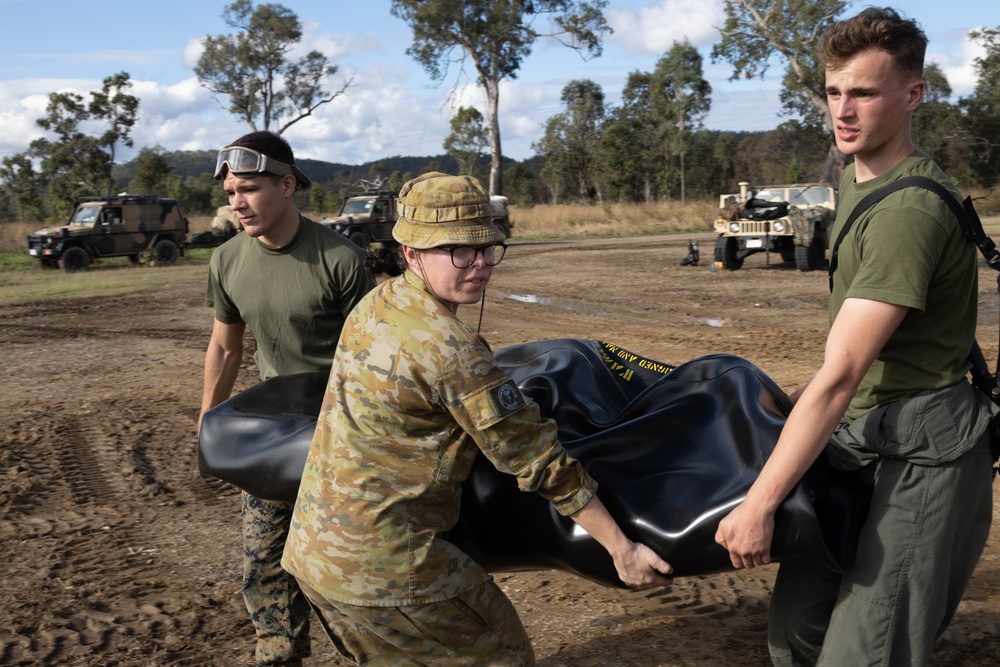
(651, 147)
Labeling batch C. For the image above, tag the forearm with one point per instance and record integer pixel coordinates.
(638, 566)
(806, 432)
(599, 524)
(222, 366)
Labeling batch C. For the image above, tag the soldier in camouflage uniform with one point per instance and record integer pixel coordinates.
(293, 281)
(414, 395)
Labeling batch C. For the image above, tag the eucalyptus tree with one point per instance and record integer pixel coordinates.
(982, 109)
(71, 161)
(681, 97)
(152, 171)
(571, 141)
(936, 126)
(468, 139)
(628, 151)
(116, 109)
(756, 31)
(253, 68)
(495, 36)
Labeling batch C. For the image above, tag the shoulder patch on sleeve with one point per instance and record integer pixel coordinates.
(507, 398)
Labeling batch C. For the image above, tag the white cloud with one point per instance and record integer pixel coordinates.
(653, 29)
(192, 52)
(959, 68)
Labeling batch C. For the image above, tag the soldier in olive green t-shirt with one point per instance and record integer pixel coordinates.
(294, 282)
(891, 400)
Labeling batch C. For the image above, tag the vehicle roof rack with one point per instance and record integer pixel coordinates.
(374, 193)
(125, 198)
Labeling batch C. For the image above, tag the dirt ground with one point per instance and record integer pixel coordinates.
(117, 553)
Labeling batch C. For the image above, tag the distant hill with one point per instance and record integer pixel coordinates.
(194, 163)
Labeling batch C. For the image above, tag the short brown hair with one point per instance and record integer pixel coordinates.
(875, 28)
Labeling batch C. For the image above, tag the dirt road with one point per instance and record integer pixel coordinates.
(117, 553)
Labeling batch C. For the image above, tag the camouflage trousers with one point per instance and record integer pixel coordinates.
(278, 609)
(477, 627)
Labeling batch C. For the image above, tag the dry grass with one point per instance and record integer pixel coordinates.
(14, 235)
(575, 220)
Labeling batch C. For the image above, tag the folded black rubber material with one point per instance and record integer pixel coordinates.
(673, 453)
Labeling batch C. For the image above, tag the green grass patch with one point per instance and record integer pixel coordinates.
(108, 278)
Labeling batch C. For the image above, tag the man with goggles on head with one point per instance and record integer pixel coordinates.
(293, 281)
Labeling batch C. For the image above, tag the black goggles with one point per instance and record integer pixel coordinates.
(246, 162)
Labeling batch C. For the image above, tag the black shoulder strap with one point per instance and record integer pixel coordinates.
(971, 225)
(968, 219)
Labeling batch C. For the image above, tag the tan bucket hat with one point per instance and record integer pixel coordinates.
(436, 209)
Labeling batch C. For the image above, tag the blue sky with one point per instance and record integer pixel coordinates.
(393, 107)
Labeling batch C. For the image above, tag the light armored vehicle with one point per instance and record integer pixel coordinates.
(368, 217)
(791, 220)
(134, 226)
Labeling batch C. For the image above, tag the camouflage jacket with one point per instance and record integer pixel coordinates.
(414, 395)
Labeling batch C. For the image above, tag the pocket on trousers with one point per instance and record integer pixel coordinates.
(451, 623)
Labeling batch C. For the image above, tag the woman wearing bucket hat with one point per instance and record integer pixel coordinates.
(414, 395)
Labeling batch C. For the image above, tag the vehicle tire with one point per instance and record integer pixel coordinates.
(728, 250)
(359, 238)
(165, 252)
(811, 257)
(74, 259)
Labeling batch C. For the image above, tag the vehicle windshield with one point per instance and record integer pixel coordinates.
(774, 195)
(85, 215)
(357, 206)
(810, 196)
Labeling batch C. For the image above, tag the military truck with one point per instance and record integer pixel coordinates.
(793, 221)
(140, 227)
(368, 217)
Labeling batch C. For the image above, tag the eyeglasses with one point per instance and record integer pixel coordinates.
(245, 162)
(464, 256)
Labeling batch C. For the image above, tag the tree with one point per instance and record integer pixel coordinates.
(571, 140)
(626, 148)
(757, 30)
(74, 164)
(680, 99)
(468, 139)
(321, 200)
(152, 172)
(23, 186)
(935, 127)
(395, 181)
(982, 109)
(723, 151)
(790, 153)
(521, 185)
(253, 70)
(118, 109)
(496, 36)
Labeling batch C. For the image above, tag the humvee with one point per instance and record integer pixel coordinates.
(791, 220)
(368, 217)
(122, 225)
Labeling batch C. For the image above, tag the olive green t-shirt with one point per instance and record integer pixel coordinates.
(295, 299)
(908, 250)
